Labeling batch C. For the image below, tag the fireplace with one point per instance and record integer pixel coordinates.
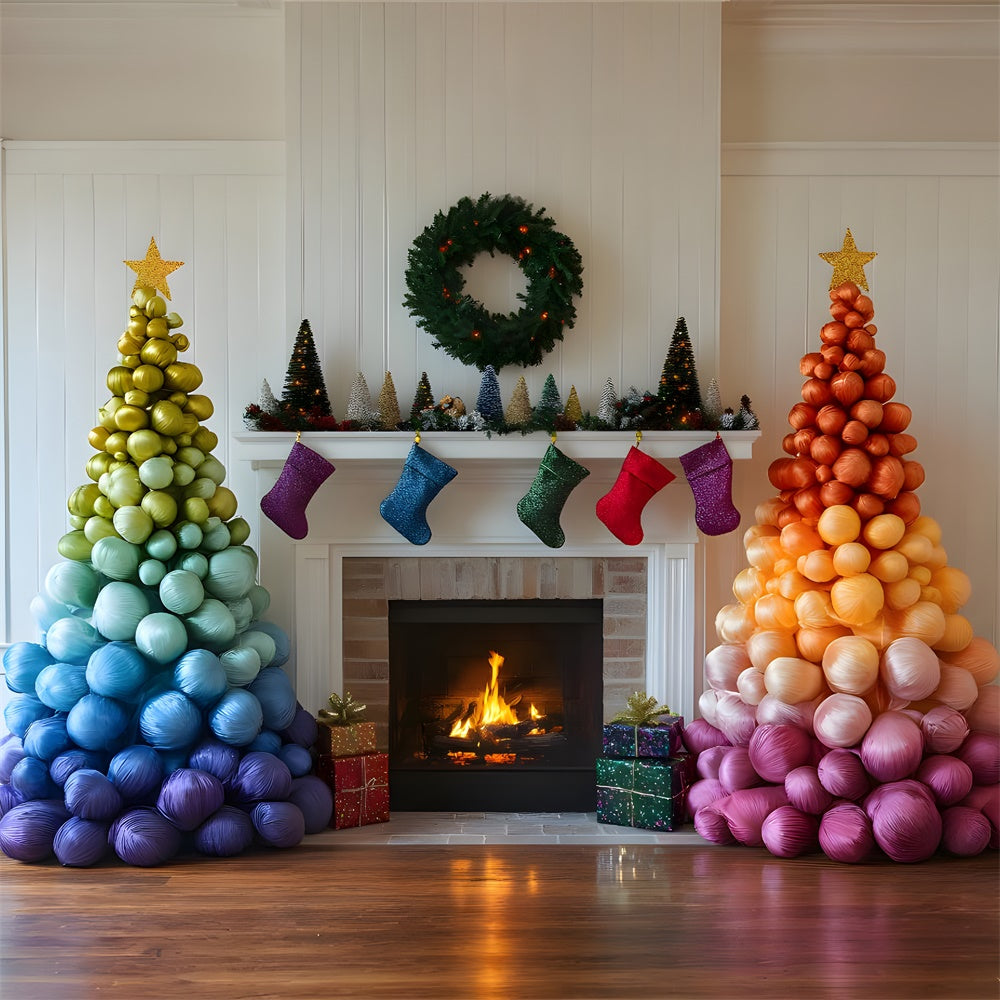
(494, 704)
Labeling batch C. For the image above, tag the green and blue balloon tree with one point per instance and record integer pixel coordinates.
(154, 717)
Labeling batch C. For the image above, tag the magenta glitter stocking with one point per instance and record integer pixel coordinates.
(621, 509)
(303, 474)
(709, 471)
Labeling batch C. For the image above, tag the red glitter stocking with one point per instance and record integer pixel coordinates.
(621, 509)
(709, 471)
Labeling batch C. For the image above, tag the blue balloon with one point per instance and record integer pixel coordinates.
(279, 824)
(9, 797)
(61, 685)
(72, 640)
(144, 838)
(91, 795)
(136, 772)
(297, 759)
(72, 760)
(97, 723)
(200, 675)
(266, 741)
(11, 751)
(47, 738)
(313, 796)
(28, 830)
(21, 711)
(22, 663)
(189, 796)
(80, 843)
(273, 689)
(30, 779)
(236, 717)
(117, 670)
(226, 833)
(170, 721)
(217, 758)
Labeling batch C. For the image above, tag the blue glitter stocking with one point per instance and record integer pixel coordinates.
(405, 508)
(303, 474)
(540, 507)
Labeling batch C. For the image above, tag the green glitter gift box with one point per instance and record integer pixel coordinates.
(642, 792)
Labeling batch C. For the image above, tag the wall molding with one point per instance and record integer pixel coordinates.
(861, 159)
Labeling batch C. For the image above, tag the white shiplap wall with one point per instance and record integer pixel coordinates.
(932, 213)
(607, 115)
(74, 211)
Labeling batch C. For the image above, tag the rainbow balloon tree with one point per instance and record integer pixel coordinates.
(850, 707)
(154, 717)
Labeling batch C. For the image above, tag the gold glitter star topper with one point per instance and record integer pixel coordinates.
(848, 263)
(152, 272)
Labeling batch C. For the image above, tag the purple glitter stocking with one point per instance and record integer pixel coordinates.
(709, 471)
(302, 475)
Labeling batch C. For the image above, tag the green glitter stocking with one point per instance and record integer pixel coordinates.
(540, 507)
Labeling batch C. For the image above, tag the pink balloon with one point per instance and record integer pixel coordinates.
(777, 749)
(708, 706)
(700, 735)
(746, 810)
(711, 824)
(805, 792)
(986, 798)
(843, 775)
(735, 718)
(981, 751)
(965, 832)
(736, 771)
(985, 713)
(703, 793)
(910, 668)
(948, 778)
(892, 747)
(788, 833)
(944, 729)
(845, 833)
(709, 761)
(774, 712)
(723, 665)
(906, 823)
(842, 720)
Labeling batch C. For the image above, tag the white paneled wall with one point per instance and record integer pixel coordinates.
(74, 213)
(607, 115)
(931, 213)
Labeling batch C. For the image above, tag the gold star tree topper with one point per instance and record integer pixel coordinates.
(848, 263)
(152, 272)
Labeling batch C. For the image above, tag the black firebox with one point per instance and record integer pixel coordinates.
(495, 705)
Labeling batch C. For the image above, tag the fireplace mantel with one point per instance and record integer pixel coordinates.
(475, 517)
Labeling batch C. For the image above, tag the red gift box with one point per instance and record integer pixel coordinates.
(360, 787)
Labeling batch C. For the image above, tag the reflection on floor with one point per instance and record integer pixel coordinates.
(501, 828)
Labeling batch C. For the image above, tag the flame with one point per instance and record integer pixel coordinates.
(491, 708)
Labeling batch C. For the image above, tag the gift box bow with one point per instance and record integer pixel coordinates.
(343, 711)
(640, 710)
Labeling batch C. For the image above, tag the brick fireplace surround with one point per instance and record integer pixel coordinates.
(331, 589)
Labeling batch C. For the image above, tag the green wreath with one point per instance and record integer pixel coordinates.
(462, 326)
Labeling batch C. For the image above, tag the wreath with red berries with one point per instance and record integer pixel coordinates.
(463, 326)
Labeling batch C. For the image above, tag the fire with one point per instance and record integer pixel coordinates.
(491, 709)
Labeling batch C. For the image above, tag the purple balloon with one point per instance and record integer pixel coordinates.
(75, 760)
(136, 772)
(217, 758)
(261, 776)
(279, 824)
(80, 843)
(144, 838)
(313, 796)
(189, 796)
(90, 795)
(227, 832)
(303, 729)
(28, 830)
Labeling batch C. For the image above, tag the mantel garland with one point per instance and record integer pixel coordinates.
(462, 326)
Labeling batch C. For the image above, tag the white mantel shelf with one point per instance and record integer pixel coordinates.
(270, 448)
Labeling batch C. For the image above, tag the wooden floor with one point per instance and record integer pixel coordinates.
(502, 921)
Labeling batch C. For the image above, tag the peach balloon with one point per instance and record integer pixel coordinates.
(764, 645)
(764, 551)
(814, 609)
(902, 594)
(792, 679)
(910, 669)
(881, 630)
(937, 559)
(750, 685)
(749, 584)
(923, 620)
(916, 547)
(799, 538)
(957, 688)
(851, 558)
(857, 599)
(812, 643)
(979, 657)
(957, 634)
(839, 524)
(772, 611)
(792, 583)
(884, 531)
(841, 720)
(954, 585)
(929, 527)
(853, 467)
(851, 665)
(723, 665)
(734, 624)
(818, 566)
(766, 512)
(889, 566)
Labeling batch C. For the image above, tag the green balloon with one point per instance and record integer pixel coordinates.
(75, 545)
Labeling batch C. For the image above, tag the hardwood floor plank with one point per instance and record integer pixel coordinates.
(502, 921)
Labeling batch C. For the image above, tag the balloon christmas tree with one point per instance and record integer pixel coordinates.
(849, 706)
(154, 716)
